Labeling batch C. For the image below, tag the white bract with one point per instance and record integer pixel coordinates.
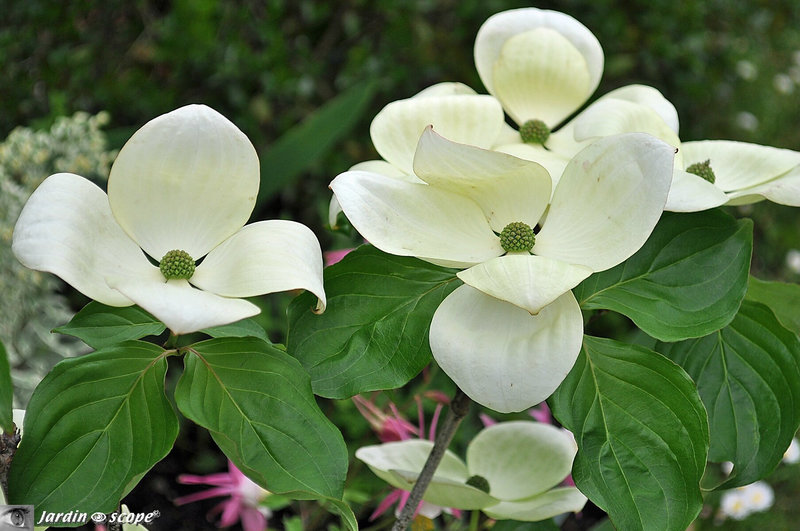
(736, 173)
(186, 181)
(511, 335)
(523, 463)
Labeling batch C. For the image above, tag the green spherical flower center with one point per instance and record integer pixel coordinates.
(534, 132)
(177, 264)
(479, 482)
(703, 169)
(517, 236)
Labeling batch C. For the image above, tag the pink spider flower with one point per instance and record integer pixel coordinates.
(244, 498)
(390, 426)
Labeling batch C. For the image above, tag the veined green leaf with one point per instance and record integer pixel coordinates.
(257, 403)
(94, 425)
(100, 326)
(782, 298)
(642, 434)
(305, 143)
(748, 375)
(244, 328)
(6, 394)
(687, 280)
(374, 334)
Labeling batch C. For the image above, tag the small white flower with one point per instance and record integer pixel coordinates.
(734, 505)
(746, 70)
(180, 190)
(793, 260)
(758, 496)
(783, 83)
(792, 454)
(747, 121)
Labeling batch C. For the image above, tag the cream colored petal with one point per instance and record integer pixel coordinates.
(66, 228)
(540, 75)
(500, 355)
(470, 119)
(608, 201)
(498, 28)
(506, 188)
(409, 219)
(334, 208)
(18, 416)
(384, 168)
(691, 193)
(181, 307)
(541, 507)
(400, 463)
(784, 190)
(739, 165)
(611, 116)
(553, 162)
(563, 142)
(264, 257)
(530, 282)
(185, 180)
(649, 97)
(446, 88)
(520, 459)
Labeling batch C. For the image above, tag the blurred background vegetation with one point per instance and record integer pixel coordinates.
(732, 70)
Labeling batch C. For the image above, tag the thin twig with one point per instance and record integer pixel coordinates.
(459, 407)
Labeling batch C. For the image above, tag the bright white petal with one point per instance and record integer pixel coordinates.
(541, 507)
(506, 188)
(611, 116)
(66, 228)
(446, 88)
(264, 257)
(409, 219)
(540, 75)
(691, 193)
(18, 416)
(185, 180)
(181, 307)
(649, 97)
(334, 208)
(470, 119)
(521, 459)
(784, 190)
(399, 464)
(500, 27)
(500, 355)
(530, 282)
(384, 168)
(739, 165)
(608, 201)
(550, 160)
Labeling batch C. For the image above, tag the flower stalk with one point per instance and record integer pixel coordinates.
(459, 407)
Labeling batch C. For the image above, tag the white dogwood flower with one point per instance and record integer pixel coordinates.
(512, 471)
(180, 190)
(511, 335)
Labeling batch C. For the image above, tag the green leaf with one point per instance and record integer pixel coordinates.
(782, 298)
(687, 280)
(257, 403)
(94, 425)
(748, 375)
(374, 334)
(6, 394)
(101, 326)
(642, 434)
(302, 145)
(243, 328)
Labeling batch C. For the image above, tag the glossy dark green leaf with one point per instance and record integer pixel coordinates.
(257, 403)
(6, 394)
(305, 143)
(748, 375)
(100, 326)
(781, 297)
(93, 427)
(374, 334)
(243, 328)
(642, 434)
(687, 280)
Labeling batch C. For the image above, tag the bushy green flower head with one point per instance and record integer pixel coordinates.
(703, 169)
(479, 482)
(517, 236)
(534, 132)
(177, 264)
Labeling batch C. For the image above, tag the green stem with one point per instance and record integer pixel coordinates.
(474, 518)
(171, 342)
(459, 407)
